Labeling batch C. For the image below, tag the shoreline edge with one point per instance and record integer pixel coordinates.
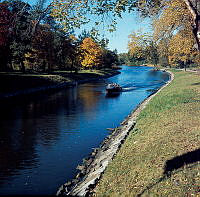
(94, 166)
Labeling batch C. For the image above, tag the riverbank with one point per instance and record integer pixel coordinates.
(94, 166)
(161, 155)
(18, 84)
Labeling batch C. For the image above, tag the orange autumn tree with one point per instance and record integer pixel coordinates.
(92, 54)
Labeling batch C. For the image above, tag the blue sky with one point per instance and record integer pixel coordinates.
(119, 39)
(129, 23)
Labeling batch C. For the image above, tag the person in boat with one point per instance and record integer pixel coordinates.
(113, 87)
(116, 85)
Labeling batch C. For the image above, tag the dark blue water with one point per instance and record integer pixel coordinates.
(43, 138)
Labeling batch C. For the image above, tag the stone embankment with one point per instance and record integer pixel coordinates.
(94, 166)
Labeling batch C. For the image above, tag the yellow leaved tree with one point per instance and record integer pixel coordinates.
(92, 54)
(142, 49)
(181, 48)
(136, 44)
(173, 33)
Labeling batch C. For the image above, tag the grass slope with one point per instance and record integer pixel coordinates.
(161, 156)
(12, 82)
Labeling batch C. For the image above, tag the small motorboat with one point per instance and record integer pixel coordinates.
(113, 88)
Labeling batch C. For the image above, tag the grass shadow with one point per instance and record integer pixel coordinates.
(180, 161)
(175, 164)
(196, 84)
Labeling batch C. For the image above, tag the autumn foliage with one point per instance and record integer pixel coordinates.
(32, 40)
(92, 54)
(173, 42)
(173, 32)
(5, 23)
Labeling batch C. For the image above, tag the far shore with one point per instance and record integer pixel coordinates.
(18, 84)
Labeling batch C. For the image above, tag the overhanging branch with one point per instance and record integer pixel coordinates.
(196, 21)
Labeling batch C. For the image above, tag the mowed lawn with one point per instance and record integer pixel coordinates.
(161, 155)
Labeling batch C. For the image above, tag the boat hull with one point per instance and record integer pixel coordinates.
(113, 88)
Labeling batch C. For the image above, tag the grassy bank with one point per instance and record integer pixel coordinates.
(161, 156)
(13, 82)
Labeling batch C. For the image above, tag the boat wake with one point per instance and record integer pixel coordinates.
(131, 86)
(128, 89)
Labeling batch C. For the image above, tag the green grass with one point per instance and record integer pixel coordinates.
(167, 128)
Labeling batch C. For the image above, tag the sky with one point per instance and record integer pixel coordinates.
(129, 23)
(119, 39)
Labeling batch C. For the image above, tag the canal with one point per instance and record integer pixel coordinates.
(44, 137)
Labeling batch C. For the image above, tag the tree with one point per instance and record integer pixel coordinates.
(43, 47)
(92, 54)
(85, 34)
(142, 48)
(151, 53)
(173, 33)
(19, 31)
(109, 58)
(5, 34)
(72, 14)
(181, 48)
(163, 51)
(194, 8)
(75, 13)
(64, 47)
(40, 12)
(136, 45)
(21, 28)
(123, 58)
(74, 53)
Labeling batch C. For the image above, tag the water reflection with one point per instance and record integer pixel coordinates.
(16, 148)
(113, 95)
(43, 138)
(89, 97)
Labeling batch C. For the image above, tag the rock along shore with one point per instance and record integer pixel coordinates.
(93, 167)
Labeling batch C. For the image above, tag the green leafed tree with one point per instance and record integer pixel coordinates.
(142, 48)
(21, 30)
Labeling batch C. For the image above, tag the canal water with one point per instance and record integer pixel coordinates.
(43, 138)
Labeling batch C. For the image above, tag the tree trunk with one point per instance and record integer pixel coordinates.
(193, 7)
(22, 66)
(4, 58)
(72, 65)
(49, 67)
(43, 66)
(10, 64)
(185, 66)
(38, 20)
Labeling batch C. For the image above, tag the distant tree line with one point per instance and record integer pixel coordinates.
(31, 40)
(141, 50)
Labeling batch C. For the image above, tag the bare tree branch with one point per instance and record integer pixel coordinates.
(36, 22)
(191, 8)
